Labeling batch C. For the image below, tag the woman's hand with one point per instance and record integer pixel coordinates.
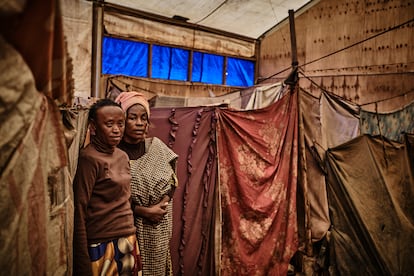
(156, 213)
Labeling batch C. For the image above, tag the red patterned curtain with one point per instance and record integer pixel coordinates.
(258, 176)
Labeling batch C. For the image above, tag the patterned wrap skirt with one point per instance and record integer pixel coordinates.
(117, 257)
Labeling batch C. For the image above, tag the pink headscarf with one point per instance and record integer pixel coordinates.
(128, 99)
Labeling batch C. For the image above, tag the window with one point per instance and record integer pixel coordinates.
(169, 63)
(239, 72)
(130, 58)
(207, 68)
(124, 57)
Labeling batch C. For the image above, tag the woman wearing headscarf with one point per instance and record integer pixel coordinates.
(104, 240)
(153, 173)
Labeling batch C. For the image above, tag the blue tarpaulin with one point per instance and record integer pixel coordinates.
(130, 58)
(169, 63)
(207, 68)
(124, 57)
(239, 72)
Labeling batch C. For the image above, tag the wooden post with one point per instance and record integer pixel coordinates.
(293, 38)
(97, 50)
(292, 79)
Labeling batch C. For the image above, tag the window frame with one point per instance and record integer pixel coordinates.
(190, 62)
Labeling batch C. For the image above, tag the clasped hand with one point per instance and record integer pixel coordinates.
(156, 213)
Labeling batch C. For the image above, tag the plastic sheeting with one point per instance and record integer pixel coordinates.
(169, 63)
(248, 18)
(141, 29)
(77, 23)
(130, 58)
(123, 57)
(207, 68)
(239, 72)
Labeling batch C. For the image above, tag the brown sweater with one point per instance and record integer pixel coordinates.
(101, 198)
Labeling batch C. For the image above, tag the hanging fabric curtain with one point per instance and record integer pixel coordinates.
(325, 121)
(392, 125)
(190, 132)
(370, 192)
(257, 153)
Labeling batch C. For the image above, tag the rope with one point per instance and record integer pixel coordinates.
(340, 50)
(368, 103)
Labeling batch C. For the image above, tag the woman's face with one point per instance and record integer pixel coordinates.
(136, 126)
(110, 125)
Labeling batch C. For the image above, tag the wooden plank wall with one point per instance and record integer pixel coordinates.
(351, 48)
(166, 87)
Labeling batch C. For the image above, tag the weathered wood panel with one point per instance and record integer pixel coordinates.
(167, 34)
(165, 87)
(360, 50)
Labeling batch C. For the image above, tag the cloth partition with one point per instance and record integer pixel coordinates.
(75, 123)
(190, 132)
(35, 198)
(392, 125)
(313, 215)
(76, 126)
(265, 95)
(34, 194)
(232, 100)
(324, 122)
(339, 120)
(41, 23)
(370, 192)
(36, 203)
(257, 152)
(409, 139)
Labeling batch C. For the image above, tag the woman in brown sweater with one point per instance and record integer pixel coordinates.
(104, 241)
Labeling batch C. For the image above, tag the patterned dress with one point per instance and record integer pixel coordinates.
(153, 177)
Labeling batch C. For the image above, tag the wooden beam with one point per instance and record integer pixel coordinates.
(293, 38)
(97, 24)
